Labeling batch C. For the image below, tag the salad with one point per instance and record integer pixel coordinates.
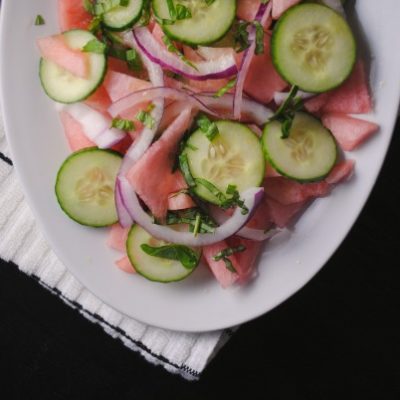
(201, 128)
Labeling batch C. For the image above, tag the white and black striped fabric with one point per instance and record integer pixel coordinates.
(21, 242)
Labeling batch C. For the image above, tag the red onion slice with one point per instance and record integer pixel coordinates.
(280, 97)
(95, 125)
(146, 137)
(252, 110)
(222, 67)
(251, 198)
(146, 95)
(262, 15)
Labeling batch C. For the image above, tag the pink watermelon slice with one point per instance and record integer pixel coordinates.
(349, 132)
(180, 201)
(117, 237)
(286, 191)
(99, 100)
(282, 215)
(152, 176)
(247, 11)
(224, 276)
(72, 15)
(246, 260)
(125, 265)
(261, 218)
(352, 97)
(341, 172)
(270, 172)
(280, 6)
(55, 49)
(262, 80)
(119, 85)
(77, 140)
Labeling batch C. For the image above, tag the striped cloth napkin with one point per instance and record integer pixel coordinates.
(21, 242)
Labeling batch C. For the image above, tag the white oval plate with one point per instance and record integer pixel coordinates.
(198, 304)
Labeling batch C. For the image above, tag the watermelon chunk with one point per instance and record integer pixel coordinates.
(246, 260)
(152, 176)
(55, 49)
(262, 217)
(341, 172)
(247, 11)
(286, 191)
(180, 201)
(125, 265)
(117, 237)
(349, 132)
(281, 214)
(77, 140)
(270, 172)
(119, 85)
(224, 276)
(352, 97)
(262, 80)
(99, 100)
(72, 15)
(280, 6)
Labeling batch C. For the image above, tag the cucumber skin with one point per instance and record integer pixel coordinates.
(189, 43)
(149, 278)
(101, 80)
(127, 25)
(275, 46)
(269, 159)
(86, 150)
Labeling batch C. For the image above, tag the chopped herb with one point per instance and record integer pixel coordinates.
(259, 38)
(133, 60)
(39, 20)
(286, 112)
(224, 254)
(241, 36)
(95, 24)
(182, 12)
(225, 202)
(123, 124)
(209, 2)
(94, 46)
(88, 6)
(191, 147)
(172, 49)
(185, 255)
(208, 127)
(224, 89)
(171, 9)
(198, 220)
(146, 14)
(146, 118)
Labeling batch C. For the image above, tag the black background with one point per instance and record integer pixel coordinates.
(337, 338)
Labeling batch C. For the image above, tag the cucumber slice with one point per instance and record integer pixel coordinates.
(153, 268)
(121, 18)
(64, 87)
(85, 186)
(307, 155)
(313, 47)
(234, 157)
(208, 24)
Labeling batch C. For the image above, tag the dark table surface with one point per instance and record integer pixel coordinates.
(338, 338)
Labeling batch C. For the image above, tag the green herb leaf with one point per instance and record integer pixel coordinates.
(182, 12)
(241, 36)
(171, 9)
(39, 20)
(259, 38)
(123, 124)
(197, 219)
(95, 46)
(172, 49)
(208, 127)
(225, 253)
(224, 89)
(133, 59)
(185, 255)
